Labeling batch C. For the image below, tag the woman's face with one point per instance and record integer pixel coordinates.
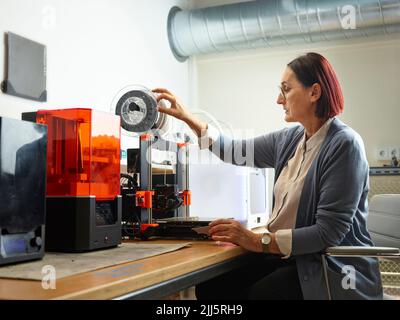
(298, 101)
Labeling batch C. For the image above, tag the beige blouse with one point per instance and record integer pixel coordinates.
(288, 188)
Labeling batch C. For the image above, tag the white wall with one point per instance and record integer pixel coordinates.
(242, 87)
(94, 49)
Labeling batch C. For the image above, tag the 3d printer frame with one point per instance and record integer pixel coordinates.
(146, 211)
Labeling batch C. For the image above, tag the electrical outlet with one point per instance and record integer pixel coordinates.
(394, 151)
(382, 153)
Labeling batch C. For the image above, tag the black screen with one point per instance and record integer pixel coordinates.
(22, 175)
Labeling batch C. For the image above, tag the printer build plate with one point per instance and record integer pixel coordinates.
(179, 228)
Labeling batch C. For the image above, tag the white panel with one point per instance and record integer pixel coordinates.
(258, 190)
(218, 189)
(222, 190)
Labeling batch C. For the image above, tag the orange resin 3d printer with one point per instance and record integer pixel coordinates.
(83, 205)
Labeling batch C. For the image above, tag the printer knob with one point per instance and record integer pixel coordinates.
(36, 242)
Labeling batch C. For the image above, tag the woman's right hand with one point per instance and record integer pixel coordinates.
(179, 111)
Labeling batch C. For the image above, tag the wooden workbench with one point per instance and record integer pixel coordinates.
(150, 278)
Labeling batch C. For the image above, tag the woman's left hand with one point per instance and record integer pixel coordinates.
(228, 230)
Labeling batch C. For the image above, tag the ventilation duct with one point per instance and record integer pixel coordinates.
(271, 23)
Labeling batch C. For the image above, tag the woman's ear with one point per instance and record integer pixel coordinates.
(315, 92)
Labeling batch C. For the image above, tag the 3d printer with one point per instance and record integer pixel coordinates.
(22, 190)
(155, 192)
(155, 188)
(83, 205)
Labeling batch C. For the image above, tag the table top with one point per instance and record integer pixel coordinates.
(122, 279)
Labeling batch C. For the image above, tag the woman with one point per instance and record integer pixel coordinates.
(320, 196)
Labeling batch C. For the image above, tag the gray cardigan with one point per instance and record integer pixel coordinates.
(333, 206)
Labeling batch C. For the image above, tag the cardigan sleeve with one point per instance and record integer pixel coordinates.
(257, 152)
(342, 181)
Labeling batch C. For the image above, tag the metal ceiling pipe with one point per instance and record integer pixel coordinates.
(271, 23)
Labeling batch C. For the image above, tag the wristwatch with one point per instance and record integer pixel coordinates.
(265, 241)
